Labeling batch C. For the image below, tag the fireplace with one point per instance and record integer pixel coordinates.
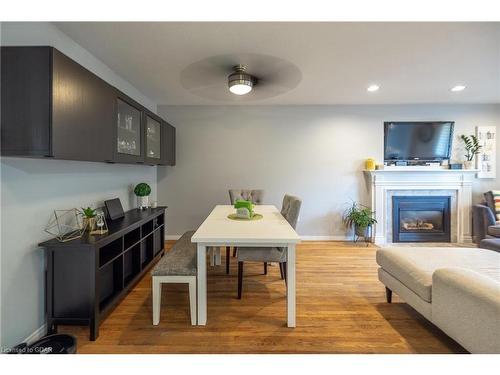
(421, 219)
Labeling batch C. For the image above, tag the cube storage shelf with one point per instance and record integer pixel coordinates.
(87, 277)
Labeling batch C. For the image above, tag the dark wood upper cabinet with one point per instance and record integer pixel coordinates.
(129, 129)
(54, 107)
(155, 147)
(26, 101)
(170, 142)
(82, 111)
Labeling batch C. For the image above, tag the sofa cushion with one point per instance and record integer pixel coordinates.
(414, 266)
(180, 260)
(494, 230)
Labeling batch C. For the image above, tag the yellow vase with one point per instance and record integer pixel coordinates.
(370, 164)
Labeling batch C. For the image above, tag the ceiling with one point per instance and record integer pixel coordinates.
(412, 62)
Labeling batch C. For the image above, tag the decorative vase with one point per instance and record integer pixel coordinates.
(468, 164)
(365, 232)
(143, 202)
(370, 164)
(89, 223)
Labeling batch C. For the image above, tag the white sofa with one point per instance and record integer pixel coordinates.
(457, 289)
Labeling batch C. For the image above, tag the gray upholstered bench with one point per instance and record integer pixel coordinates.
(177, 266)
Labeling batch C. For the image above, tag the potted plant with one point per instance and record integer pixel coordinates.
(89, 215)
(472, 148)
(361, 219)
(142, 192)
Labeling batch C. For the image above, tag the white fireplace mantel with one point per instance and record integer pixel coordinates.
(383, 182)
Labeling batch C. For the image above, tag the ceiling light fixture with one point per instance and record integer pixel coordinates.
(239, 82)
(458, 88)
(373, 88)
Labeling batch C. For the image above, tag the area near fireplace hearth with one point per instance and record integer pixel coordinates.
(421, 204)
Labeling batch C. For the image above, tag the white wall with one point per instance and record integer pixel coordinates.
(32, 188)
(315, 152)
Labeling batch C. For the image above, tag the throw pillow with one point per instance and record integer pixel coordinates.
(496, 199)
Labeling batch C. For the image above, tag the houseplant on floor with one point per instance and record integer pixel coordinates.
(360, 219)
(472, 148)
(142, 192)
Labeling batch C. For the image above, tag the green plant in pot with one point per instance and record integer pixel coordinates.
(472, 148)
(360, 219)
(142, 192)
(89, 215)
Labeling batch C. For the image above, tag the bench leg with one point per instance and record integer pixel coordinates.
(192, 301)
(156, 300)
(388, 295)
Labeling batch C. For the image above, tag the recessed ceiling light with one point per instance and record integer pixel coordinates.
(458, 88)
(373, 88)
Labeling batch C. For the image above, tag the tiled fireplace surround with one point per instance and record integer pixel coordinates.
(421, 181)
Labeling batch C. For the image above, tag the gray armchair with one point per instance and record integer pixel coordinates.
(290, 211)
(484, 219)
(484, 223)
(255, 195)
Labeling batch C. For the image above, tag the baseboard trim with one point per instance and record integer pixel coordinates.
(325, 238)
(175, 237)
(172, 237)
(37, 335)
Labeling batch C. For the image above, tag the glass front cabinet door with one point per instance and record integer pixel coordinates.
(129, 138)
(154, 136)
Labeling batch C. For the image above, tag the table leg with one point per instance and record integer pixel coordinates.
(290, 285)
(202, 285)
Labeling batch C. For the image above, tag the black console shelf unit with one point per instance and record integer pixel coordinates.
(87, 277)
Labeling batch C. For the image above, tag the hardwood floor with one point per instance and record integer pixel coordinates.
(341, 308)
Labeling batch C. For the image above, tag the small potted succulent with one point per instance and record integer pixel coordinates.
(361, 219)
(142, 192)
(89, 215)
(472, 148)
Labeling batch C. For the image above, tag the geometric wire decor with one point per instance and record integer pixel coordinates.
(65, 225)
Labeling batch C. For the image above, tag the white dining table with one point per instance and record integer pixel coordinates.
(271, 231)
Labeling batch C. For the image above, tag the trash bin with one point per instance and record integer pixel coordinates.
(51, 344)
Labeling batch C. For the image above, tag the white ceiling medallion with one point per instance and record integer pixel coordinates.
(240, 82)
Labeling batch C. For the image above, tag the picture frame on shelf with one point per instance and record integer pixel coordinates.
(486, 159)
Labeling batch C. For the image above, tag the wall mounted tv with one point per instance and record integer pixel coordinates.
(419, 141)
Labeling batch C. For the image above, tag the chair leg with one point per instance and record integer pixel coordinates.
(192, 301)
(281, 271)
(265, 268)
(234, 252)
(211, 255)
(240, 279)
(217, 256)
(388, 295)
(228, 253)
(284, 271)
(156, 301)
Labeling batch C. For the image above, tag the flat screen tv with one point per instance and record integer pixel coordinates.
(424, 141)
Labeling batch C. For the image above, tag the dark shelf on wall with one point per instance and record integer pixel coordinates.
(52, 107)
(87, 277)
